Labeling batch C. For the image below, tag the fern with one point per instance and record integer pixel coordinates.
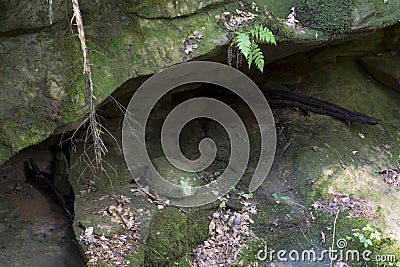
(244, 43)
(265, 36)
(257, 56)
(247, 44)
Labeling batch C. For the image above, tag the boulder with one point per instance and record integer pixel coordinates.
(385, 69)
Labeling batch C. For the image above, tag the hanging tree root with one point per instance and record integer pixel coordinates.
(310, 104)
(95, 129)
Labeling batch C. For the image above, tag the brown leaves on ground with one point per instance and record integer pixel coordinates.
(111, 250)
(229, 232)
(358, 207)
(392, 177)
(235, 22)
(192, 42)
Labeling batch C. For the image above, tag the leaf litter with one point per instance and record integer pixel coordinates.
(341, 202)
(112, 249)
(229, 233)
(392, 177)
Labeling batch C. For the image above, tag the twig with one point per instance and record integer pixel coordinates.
(308, 239)
(51, 16)
(334, 232)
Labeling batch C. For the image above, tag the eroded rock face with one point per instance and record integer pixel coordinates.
(41, 83)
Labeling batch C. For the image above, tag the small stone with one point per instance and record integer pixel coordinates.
(225, 218)
(231, 221)
(216, 215)
(237, 219)
(211, 227)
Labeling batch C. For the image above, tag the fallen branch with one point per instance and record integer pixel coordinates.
(310, 104)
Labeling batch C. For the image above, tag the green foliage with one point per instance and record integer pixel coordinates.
(247, 255)
(222, 205)
(277, 198)
(247, 43)
(368, 236)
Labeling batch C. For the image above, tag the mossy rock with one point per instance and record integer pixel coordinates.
(332, 17)
(171, 8)
(173, 235)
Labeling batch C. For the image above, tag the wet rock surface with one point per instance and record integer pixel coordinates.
(34, 228)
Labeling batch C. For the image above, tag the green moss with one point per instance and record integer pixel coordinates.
(247, 256)
(173, 235)
(332, 17)
(379, 6)
(21, 137)
(279, 8)
(276, 224)
(168, 8)
(72, 106)
(132, 47)
(279, 30)
(5, 149)
(288, 231)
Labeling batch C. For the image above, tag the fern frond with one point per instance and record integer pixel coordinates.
(251, 55)
(258, 57)
(266, 36)
(244, 44)
(247, 44)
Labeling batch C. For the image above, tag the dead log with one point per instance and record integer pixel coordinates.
(310, 104)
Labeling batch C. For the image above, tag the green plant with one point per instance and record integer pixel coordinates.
(242, 194)
(222, 204)
(277, 198)
(368, 236)
(247, 44)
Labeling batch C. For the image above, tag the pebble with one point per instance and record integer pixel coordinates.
(216, 215)
(237, 219)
